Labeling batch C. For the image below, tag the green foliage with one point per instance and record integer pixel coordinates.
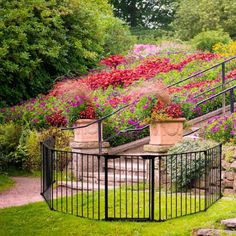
(5, 182)
(42, 39)
(191, 172)
(10, 134)
(20, 146)
(148, 14)
(118, 38)
(206, 40)
(193, 17)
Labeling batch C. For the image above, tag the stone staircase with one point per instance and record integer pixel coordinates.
(229, 226)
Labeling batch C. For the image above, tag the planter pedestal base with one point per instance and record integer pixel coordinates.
(158, 149)
(89, 147)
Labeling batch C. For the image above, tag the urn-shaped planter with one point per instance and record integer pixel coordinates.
(86, 134)
(166, 132)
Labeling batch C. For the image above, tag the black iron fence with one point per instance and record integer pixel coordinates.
(130, 187)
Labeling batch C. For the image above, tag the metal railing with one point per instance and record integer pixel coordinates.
(130, 187)
(232, 97)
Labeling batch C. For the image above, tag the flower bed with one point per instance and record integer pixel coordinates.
(110, 87)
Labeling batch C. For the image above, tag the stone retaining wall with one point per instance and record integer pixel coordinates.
(229, 170)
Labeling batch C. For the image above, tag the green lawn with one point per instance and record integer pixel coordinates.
(5, 183)
(36, 219)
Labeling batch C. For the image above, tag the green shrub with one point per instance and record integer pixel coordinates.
(187, 175)
(118, 38)
(206, 40)
(20, 146)
(42, 39)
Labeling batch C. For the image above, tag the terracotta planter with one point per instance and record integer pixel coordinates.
(167, 132)
(87, 134)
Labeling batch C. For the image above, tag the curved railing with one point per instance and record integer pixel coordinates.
(130, 187)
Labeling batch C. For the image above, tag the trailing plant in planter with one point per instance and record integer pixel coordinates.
(162, 112)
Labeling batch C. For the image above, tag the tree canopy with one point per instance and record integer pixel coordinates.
(147, 14)
(193, 17)
(43, 39)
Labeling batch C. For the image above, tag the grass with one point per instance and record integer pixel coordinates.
(37, 219)
(5, 182)
(128, 204)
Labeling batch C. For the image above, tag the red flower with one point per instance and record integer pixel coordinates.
(172, 110)
(56, 119)
(113, 61)
(88, 113)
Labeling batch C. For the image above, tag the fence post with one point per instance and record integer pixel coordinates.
(220, 168)
(42, 166)
(205, 195)
(152, 171)
(52, 176)
(106, 187)
(223, 86)
(232, 100)
(100, 136)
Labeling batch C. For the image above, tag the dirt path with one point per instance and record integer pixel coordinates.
(25, 190)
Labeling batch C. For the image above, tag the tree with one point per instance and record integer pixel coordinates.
(43, 39)
(147, 14)
(193, 17)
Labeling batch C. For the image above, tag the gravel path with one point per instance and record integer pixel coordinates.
(25, 190)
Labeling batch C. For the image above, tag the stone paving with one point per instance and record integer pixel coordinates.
(25, 190)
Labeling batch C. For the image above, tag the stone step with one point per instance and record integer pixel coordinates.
(119, 178)
(82, 185)
(127, 166)
(212, 232)
(229, 223)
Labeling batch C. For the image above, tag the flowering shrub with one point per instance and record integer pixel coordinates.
(101, 92)
(113, 61)
(225, 49)
(221, 129)
(56, 119)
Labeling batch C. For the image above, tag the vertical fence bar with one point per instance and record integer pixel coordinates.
(220, 158)
(100, 136)
(205, 157)
(106, 188)
(114, 186)
(72, 183)
(144, 187)
(42, 165)
(152, 188)
(51, 177)
(232, 100)
(159, 170)
(99, 182)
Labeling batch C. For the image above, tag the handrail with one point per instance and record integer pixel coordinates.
(209, 90)
(232, 97)
(96, 121)
(203, 71)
